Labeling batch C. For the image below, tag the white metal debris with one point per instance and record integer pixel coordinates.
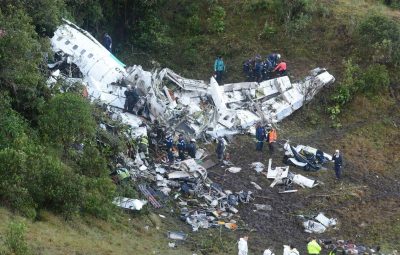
(129, 203)
(235, 106)
(234, 170)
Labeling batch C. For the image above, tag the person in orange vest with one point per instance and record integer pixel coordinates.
(280, 69)
(271, 137)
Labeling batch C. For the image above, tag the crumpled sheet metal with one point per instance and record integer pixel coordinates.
(233, 104)
(87, 53)
(129, 203)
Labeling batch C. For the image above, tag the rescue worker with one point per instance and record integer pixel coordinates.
(313, 248)
(144, 145)
(107, 41)
(219, 68)
(271, 137)
(191, 148)
(242, 246)
(181, 147)
(131, 98)
(274, 58)
(169, 142)
(260, 136)
(293, 251)
(339, 249)
(247, 69)
(337, 158)
(280, 69)
(170, 155)
(267, 69)
(220, 150)
(257, 70)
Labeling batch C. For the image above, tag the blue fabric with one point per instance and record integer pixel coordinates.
(219, 65)
(169, 143)
(260, 133)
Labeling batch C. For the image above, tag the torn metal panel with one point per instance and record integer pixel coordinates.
(234, 106)
(129, 203)
(87, 53)
(304, 181)
(327, 222)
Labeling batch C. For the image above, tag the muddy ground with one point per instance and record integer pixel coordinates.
(362, 201)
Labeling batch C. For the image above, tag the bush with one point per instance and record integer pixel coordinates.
(216, 22)
(153, 35)
(294, 14)
(67, 119)
(382, 35)
(15, 241)
(12, 125)
(376, 81)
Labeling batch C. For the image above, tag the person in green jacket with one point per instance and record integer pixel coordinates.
(313, 248)
(219, 68)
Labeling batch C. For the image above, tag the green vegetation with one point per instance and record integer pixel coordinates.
(54, 160)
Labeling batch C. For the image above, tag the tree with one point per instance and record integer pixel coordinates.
(20, 58)
(67, 119)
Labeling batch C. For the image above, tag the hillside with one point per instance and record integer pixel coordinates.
(63, 197)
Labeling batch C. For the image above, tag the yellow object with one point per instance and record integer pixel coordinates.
(313, 247)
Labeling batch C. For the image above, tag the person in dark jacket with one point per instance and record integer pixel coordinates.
(258, 71)
(107, 42)
(274, 58)
(267, 70)
(338, 159)
(181, 147)
(169, 142)
(170, 156)
(260, 136)
(191, 148)
(247, 69)
(220, 150)
(131, 98)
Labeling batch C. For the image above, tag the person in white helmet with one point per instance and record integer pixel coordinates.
(338, 159)
(191, 148)
(242, 246)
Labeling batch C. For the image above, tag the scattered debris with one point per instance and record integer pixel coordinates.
(168, 97)
(199, 109)
(258, 166)
(234, 170)
(306, 157)
(263, 207)
(129, 203)
(256, 185)
(318, 224)
(176, 235)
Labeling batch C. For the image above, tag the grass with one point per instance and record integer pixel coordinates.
(52, 235)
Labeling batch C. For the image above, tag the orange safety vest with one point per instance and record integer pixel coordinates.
(272, 136)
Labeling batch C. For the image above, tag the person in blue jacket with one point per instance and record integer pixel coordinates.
(169, 142)
(260, 136)
(219, 68)
(274, 58)
(220, 150)
(107, 42)
(181, 147)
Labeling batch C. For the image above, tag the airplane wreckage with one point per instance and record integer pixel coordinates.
(194, 107)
